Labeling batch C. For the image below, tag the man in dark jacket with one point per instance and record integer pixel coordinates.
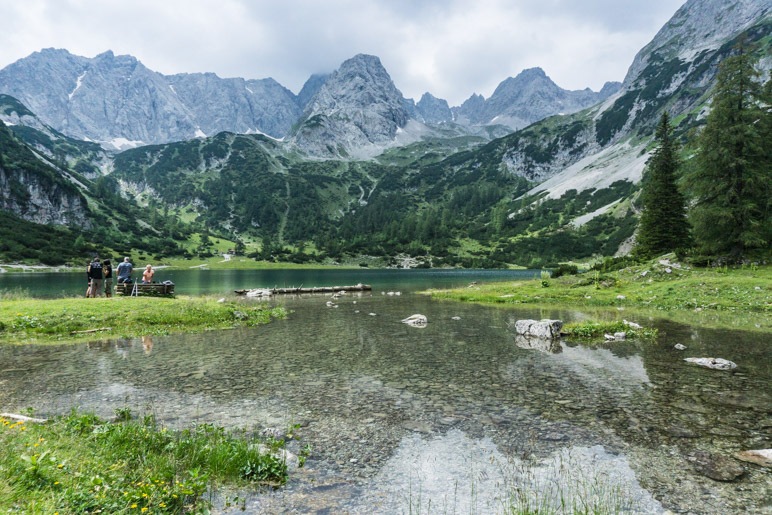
(95, 273)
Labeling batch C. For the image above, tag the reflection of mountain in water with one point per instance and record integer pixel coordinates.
(601, 366)
(454, 473)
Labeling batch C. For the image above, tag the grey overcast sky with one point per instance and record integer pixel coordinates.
(450, 48)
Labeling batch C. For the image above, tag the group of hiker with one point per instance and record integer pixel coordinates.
(100, 274)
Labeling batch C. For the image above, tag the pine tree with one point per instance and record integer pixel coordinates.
(731, 183)
(663, 226)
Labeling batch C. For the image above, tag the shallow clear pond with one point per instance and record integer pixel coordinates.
(453, 417)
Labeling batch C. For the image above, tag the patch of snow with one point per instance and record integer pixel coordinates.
(200, 133)
(172, 88)
(247, 88)
(258, 131)
(78, 82)
(583, 219)
(122, 144)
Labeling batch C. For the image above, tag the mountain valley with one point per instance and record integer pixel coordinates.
(347, 170)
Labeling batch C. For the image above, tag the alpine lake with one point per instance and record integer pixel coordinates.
(453, 417)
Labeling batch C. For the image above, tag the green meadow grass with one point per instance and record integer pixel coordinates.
(79, 463)
(736, 298)
(27, 320)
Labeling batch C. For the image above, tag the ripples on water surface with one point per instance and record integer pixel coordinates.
(448, 418)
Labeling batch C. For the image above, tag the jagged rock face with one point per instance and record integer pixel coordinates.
(43, 81)
(116, 98)
(697, 26)
(41, 203)
(311, 88)
(433, 110)
(12, 112)
(527, 98)
(30, 186)
(357, 111)
(236, 105)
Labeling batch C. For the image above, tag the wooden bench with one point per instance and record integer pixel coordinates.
(157, 289)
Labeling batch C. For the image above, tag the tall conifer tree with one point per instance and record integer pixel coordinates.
(731, 183)
(663, 226)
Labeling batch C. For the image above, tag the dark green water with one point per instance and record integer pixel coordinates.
(453, 417)
(195, 281)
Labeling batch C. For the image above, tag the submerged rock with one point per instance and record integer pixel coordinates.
(716, 466)
(714, 363)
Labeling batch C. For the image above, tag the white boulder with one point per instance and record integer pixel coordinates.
(416, 320)
(546, 328)
(714, 363)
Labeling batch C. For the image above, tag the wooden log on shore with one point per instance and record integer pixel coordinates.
(265, 292)
(98, 329)
(23, 418)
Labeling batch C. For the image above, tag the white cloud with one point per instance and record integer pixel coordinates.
(451, 48)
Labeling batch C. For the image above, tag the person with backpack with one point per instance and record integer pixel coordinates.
(95, 272)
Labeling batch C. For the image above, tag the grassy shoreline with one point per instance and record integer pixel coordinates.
(74, 320)
(739, 298)
(79, 463)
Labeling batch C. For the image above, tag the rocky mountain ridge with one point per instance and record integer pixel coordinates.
(699, 26)
(117, 101)
(357, 108)
(527, 98)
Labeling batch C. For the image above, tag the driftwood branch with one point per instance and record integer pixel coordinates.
(23, 418)
(92, 330)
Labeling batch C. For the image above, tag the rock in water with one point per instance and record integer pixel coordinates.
(716, 466)
(714, 363)
(416, 320)
(547, 329)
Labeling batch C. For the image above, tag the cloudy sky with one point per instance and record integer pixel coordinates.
(451, 48)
